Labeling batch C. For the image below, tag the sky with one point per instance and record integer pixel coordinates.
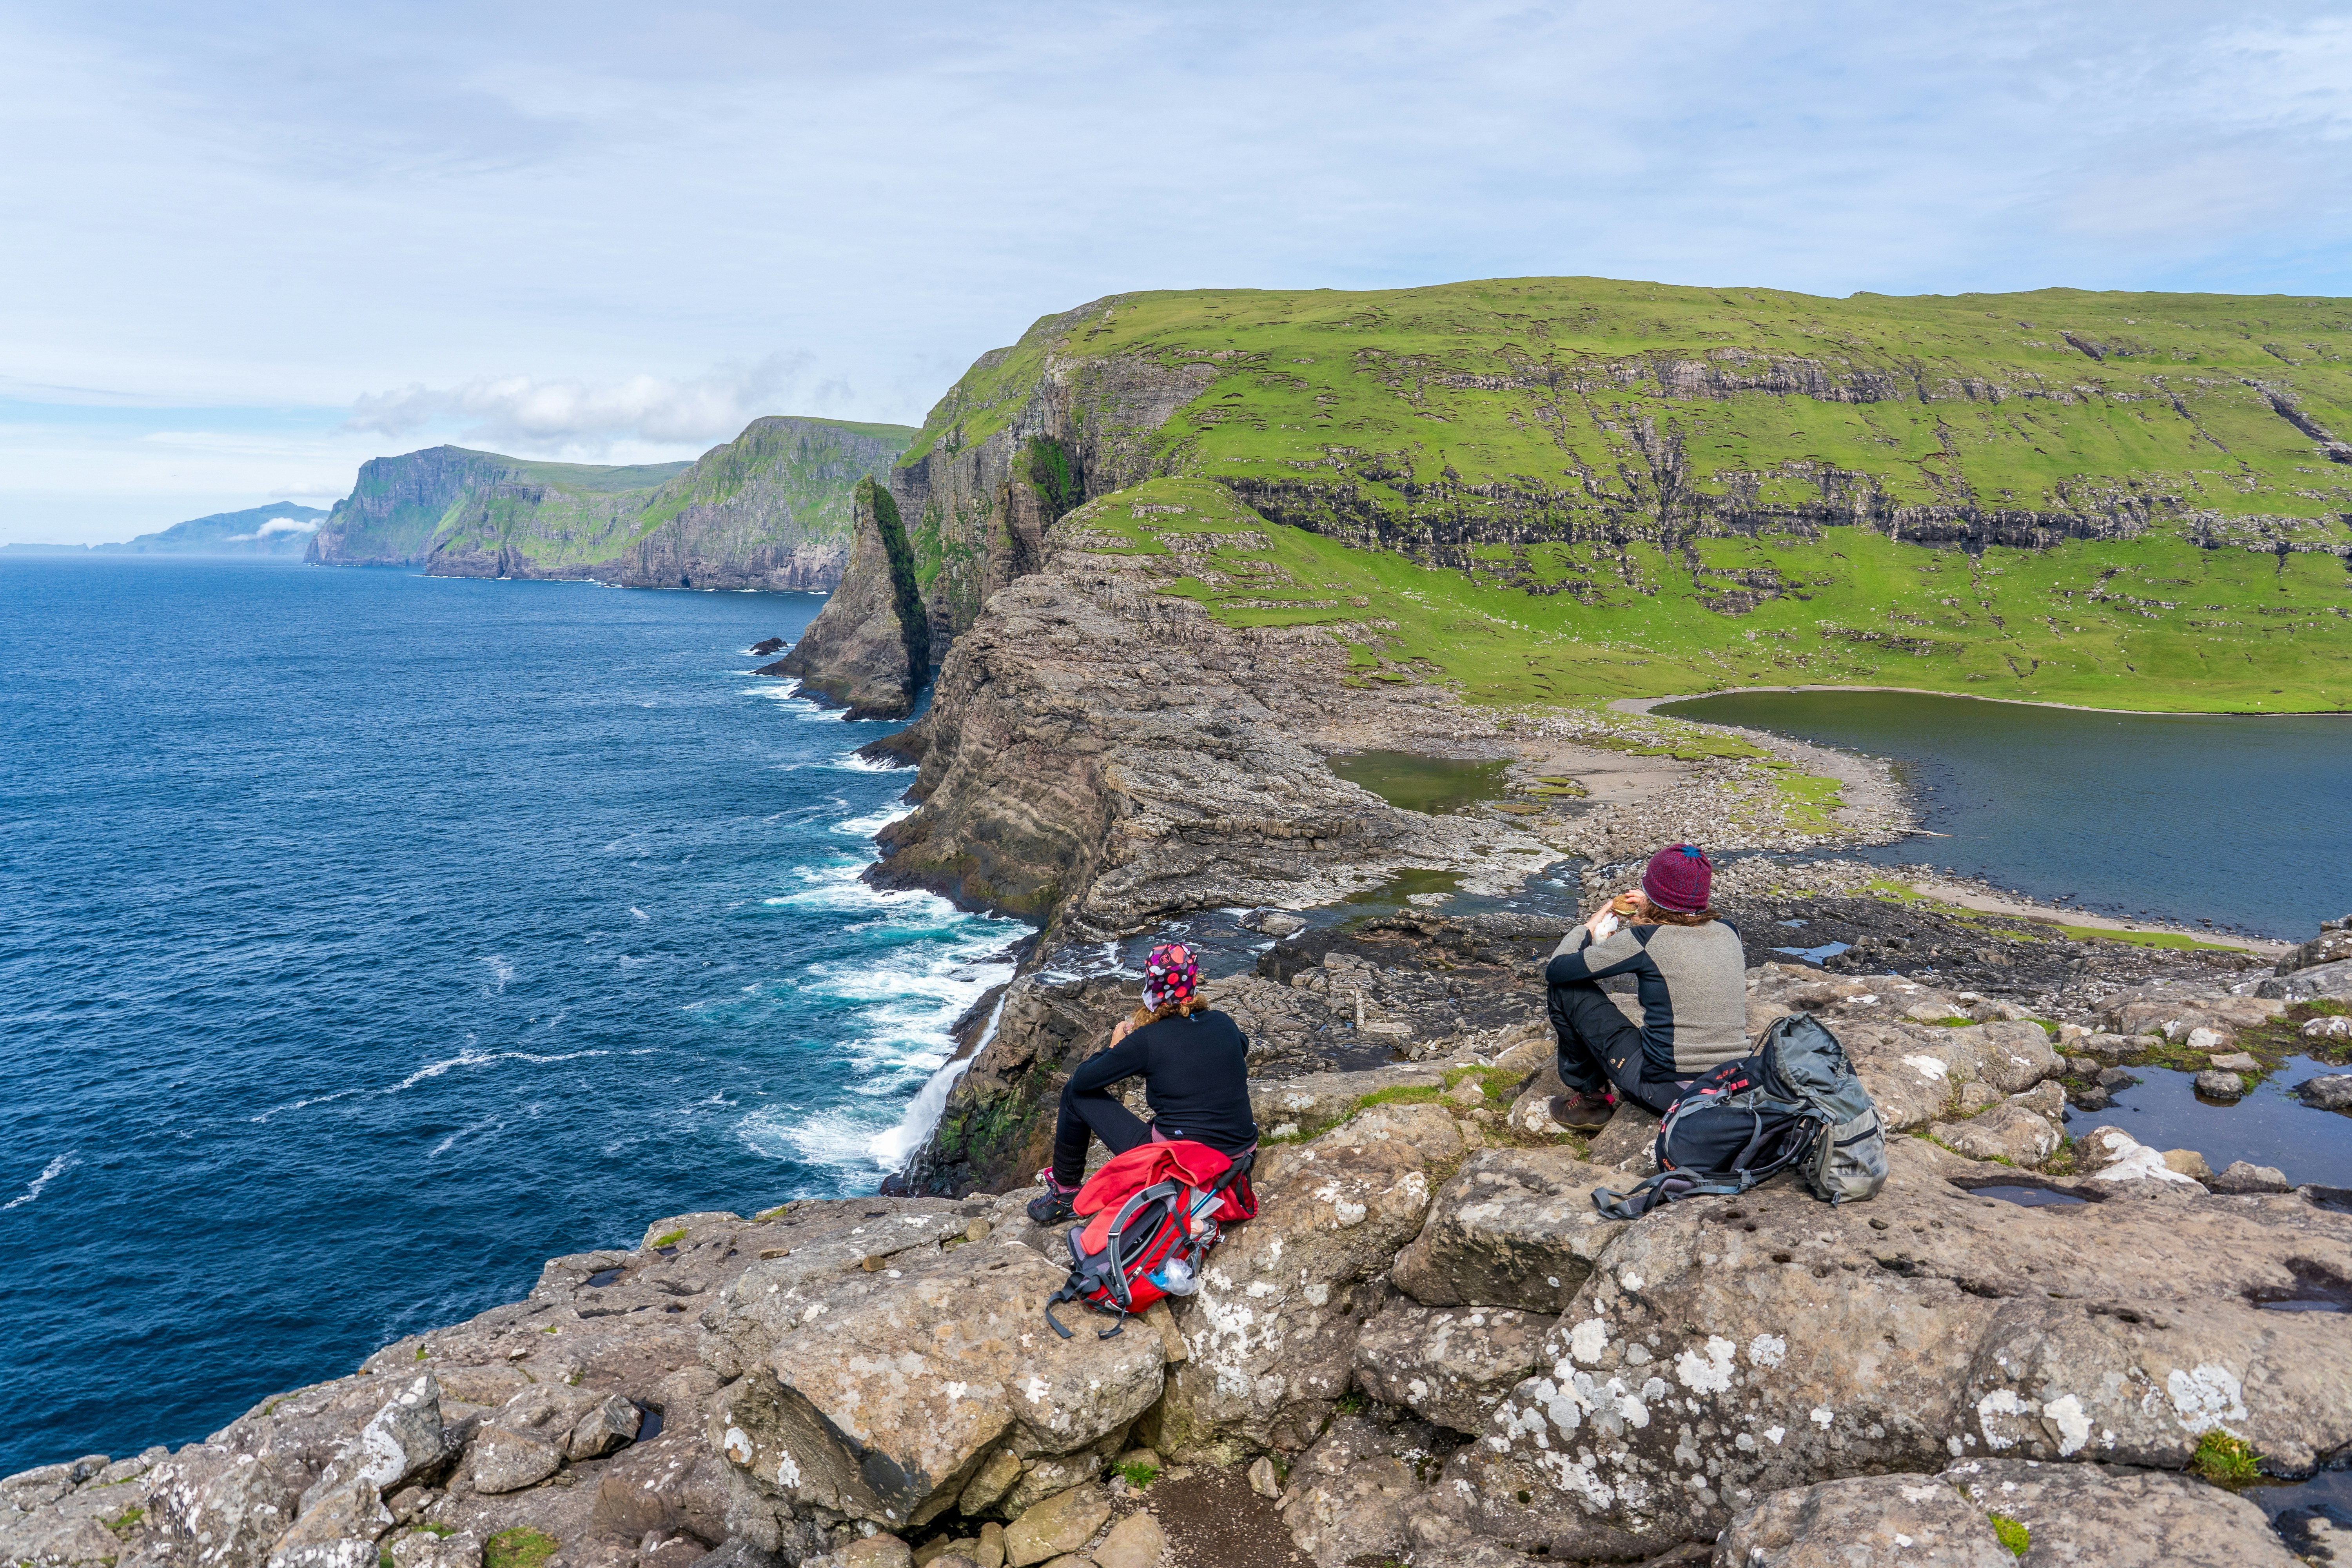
(248, 247)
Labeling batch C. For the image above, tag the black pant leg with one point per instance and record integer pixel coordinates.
(1598, 1045)
(1102, 1115)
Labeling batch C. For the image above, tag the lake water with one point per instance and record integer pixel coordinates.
(367, 938)
(2246, 822)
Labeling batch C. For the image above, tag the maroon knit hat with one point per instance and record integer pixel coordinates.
(1679, 877)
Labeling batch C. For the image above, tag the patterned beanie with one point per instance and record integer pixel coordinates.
(1169, 975)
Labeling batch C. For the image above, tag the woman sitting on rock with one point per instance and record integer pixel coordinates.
(1692, 983)
(1194, 1060)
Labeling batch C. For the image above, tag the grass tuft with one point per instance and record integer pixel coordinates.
(2226, 1459)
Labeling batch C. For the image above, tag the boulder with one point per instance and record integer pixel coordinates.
(1865, 1521)
(1450, 1365)
(1352, 1494)
(2329, 1091)
(1135, 1541)
(1059, 1524)
(430, 1549)
(1916, 1074)
(500, 1459)
(2189, 1162)
(1512, 1227)
(2120, 1517)
(2236, 1062)
(882, 1393)
(1729, 1348)
(2216, 1085)
(2328, 947)
(2241, 1176)
(402, 1443)
(611, 1425)
(1272, 1332)
(2332, 980)
(352, 1512)
(224, 1509)
(2112, 1154)
(2336, 1027)
(2008, 1131)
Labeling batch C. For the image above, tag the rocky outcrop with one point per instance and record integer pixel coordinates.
(1098, 753)
(869, 650)
(1988, 1513)
(768, 510)
(1428, 1346)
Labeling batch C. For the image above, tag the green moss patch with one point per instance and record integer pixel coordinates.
(2013, 1535)
(522, 1547)
(2226, 1459)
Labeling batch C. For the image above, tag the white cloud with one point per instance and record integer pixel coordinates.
(274, 526)
(525, 412)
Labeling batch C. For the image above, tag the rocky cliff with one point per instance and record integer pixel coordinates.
(869, 650)
(1428, 1348)
(768, 510)
(1743, 484)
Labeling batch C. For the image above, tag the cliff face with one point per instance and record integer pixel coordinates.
(1029, 433)
(768, 510)
(869, 650)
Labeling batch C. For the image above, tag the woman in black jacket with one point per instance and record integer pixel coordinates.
(1194, 1062)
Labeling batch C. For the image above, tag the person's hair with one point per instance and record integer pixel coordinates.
(1143, 1014)
(1651, 914)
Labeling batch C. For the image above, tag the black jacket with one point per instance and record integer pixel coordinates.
(1195, 1074)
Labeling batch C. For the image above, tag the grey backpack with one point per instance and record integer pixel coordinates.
(1793, 1104)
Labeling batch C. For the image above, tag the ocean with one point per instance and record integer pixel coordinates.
(367, 938)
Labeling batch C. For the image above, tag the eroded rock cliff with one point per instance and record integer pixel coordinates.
(869, 650)
(768, 510)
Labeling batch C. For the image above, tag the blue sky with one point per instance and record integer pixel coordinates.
(248, 247)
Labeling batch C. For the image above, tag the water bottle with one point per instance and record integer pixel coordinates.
(1175, 1276)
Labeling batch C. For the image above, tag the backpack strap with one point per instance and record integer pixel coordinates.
(1665, 1187)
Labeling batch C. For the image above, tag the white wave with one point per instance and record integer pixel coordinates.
(489, 1123)
(867, 827)
(470, 1058)
(501, 973)
(891, 1149)
(39, 1184)
(639, 913)
(851, 762)
(298, 1104)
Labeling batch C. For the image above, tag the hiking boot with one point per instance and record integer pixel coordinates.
(1053, 1206)
(1582, 1112)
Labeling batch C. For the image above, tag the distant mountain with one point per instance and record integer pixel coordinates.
(771, 509)
(280, 529)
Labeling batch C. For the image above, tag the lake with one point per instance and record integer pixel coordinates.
(2243, 821)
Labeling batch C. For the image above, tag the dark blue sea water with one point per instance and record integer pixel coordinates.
(2243, 821)
(366, 939)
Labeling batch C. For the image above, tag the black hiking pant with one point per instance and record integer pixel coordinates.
(1599, 1047)
(1101, 1115)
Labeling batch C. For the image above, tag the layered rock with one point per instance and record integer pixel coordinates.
(1098, 752)
(768, 510)
(869, 650)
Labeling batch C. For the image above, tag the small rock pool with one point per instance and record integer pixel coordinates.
(2268, 1127)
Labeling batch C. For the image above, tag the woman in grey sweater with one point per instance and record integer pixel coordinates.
(1692, 982)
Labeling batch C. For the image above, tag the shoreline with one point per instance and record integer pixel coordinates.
(1643, 705)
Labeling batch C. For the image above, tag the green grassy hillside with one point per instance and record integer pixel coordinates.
(782, 484)
(2013, 631)
(2129, 499)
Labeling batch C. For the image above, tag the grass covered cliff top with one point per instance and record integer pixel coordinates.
(2131, 501)
(2174, 628)
(2019, 400)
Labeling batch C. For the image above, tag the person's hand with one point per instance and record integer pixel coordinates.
(1122, 1029)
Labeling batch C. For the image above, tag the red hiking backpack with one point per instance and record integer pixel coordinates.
(1157, 1210)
